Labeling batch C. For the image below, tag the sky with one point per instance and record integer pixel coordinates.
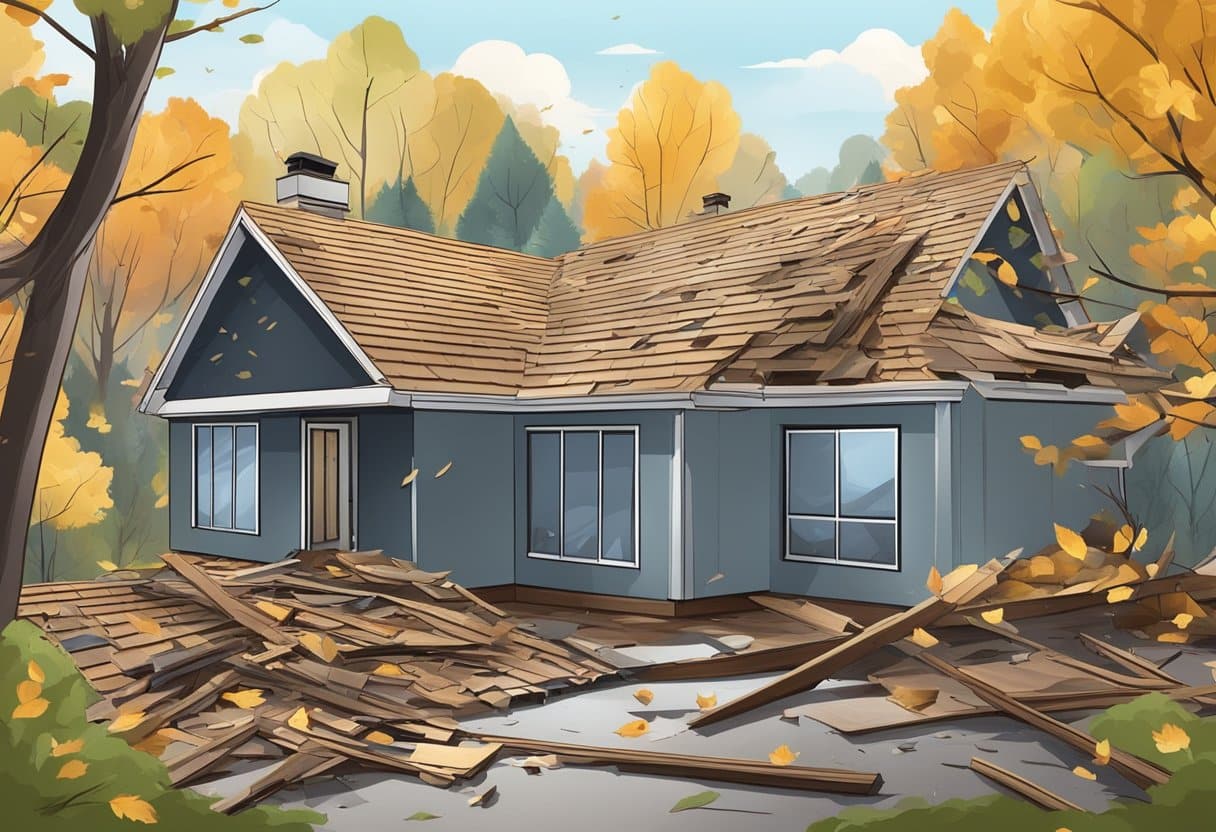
(805, 74)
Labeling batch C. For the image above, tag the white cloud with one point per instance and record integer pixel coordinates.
(539, 79)
(878, 53)
(628, 49)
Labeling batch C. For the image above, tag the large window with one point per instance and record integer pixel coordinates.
(583, 494)
(842, 496)
(226, 478)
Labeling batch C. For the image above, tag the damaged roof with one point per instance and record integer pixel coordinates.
(834, 289)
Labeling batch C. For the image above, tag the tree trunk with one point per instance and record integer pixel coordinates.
(56, 266)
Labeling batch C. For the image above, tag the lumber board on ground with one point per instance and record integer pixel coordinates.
(1036, 794)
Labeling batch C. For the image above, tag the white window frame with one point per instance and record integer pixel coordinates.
(562, 430)
(257, 476)
(837, 518)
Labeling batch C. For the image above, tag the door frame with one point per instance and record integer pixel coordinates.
(350, 425)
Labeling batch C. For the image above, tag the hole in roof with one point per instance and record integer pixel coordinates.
(620, 258)
(692, 326)
(702, 341)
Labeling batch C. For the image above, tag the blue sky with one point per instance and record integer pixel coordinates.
(805, 108)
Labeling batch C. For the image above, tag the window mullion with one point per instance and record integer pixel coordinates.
(836, 482)
(599, 507)
(561, 494)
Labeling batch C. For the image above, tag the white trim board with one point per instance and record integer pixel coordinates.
(373, 396)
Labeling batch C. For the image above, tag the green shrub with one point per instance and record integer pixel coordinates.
(58, 771)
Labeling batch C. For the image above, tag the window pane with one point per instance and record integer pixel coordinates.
(812, 473)
(202, 476)
(618, 496)
(580, 523)
(221, 483)
(544, 492)
(246, 477)
(867, 474)
(813, 538)
(868, 542)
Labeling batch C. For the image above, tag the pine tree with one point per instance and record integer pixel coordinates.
(511, 195)
(872, 175)
(399, 204)
(555, 233)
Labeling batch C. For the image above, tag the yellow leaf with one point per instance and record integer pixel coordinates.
(1119, 593)
(644, 695)
(244, 375)
(132, 807)
(1123, 540)
(922, 638)
(154, 744)
(1031, 443)
(1201, 386)
(28, 690)
(378, 737)
(31, 710)
(1007, 274)
(409, 478)
(1090, 282)
(299, 720)
(35, 672)
(705, 701)
(1089, 441)
(62, 749)
(1071, 542)
(1173, 638)
(995, 616)
(320, 646)
(934, 581)
(443, 470)
(125, 722)
(633, 729)
(985, 257)
(387, 669)
(1141, 539)
(108, 565)
(1151, 569)
(336, 571)
(1171, 739)
(247, 698)
(143, 624)
(914, 699)
(72, 769)
(1084, 773)
(1183, 620)
(1102, 752)
(1011, 208)
(276, 611)
(782, 755)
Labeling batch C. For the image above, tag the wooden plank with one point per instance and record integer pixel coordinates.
(199, 760)
(238, 611)
(159, 716)
(736, 664)
(1036, 794)
(1134, 663)
(724, 769)
(816, 616)
(292, 769)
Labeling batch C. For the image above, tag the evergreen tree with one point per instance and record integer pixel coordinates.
(511, 195)
(555, 233)
(399, 204)
(872, 175)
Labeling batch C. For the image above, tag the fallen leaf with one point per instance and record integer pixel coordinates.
(72, 769)
(694, 801)
(247, 698)
(132, 807)
(31, 710)
(1183, 620)
(717, 576)
(299, 720)
(62, 749)
(782, 755)
(423, 816)
(276, 611)
(1123, 540)
(1171, 739)
(378, 737)
(705, 701)
(484, 799)
(28, 690)
(1090, 282)
(1119, 593)
(995, 616)
(934, 582)
(1084, 773)
(1152, 569)
(1141, 539)
(914, 699)
(35, 672)
(1031, 443)
(143, 624)
(336, 571)
(633, 729)
(125, 722)
(388, 669)
(644, 695)
(921, 638)
(409, 478)
(443, 470)
(108, 565)
(1102, 752)
(244, 375)
(155, 744)
(321, 646)
(1173, 638)
(1071, 542)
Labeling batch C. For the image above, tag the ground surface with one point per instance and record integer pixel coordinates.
(928, 761)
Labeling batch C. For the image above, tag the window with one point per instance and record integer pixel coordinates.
(842, 496)
(583, 494)
(226, 478)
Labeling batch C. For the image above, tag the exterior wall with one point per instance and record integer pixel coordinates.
(385, 455)
(1006, 501)
(656, 443)
(278, 492)
(466, 518)
(259, 324)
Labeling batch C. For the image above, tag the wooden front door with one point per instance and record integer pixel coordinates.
(327, 489)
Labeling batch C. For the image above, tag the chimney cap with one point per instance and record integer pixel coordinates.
(302, 162)
(715, 200)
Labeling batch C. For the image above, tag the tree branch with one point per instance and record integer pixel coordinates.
(54, 24)
(215, 24)
(47, 151)
(149, 189)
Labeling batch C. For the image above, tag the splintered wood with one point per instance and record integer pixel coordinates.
(330, 659)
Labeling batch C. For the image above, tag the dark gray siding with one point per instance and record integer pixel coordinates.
(386, 455)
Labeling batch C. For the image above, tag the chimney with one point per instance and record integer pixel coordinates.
(310, 184)
(714, 203)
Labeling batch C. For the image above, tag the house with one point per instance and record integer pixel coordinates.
(822, 396)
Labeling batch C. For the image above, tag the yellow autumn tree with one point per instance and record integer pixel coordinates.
(670, 144)
(753, 177)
